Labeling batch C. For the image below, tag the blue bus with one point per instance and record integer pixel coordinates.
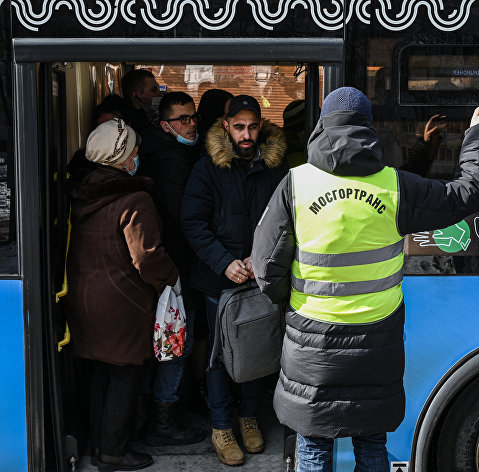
(414, 59)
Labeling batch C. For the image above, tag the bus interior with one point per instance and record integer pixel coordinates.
(65, 96)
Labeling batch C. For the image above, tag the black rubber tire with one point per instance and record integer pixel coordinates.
(457, 449)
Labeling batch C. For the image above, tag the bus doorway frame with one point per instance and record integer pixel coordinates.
(329, 52)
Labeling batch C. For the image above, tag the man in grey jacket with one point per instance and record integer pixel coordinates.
(330, 244)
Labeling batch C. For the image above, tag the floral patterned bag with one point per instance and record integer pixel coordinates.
(170, 324)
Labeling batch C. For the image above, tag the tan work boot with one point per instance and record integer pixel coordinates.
(252, 438)
(226, 447)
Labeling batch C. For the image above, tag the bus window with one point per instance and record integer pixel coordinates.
(8, 243)
(439, 75)
(273, 85)
(426, 81)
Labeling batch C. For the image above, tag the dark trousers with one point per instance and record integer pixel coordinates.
(113, 396)
(219, 398)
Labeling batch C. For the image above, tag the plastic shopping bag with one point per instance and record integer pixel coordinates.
(170, 324)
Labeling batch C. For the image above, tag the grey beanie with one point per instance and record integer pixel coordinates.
(347, 98)
(111, 143)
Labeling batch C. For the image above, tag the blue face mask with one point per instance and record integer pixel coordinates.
(181, 139)
(136, 160)
(188, 142)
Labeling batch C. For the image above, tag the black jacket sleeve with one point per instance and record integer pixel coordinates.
(274, 245)
(427, 204)
(418, 159)
(197, 215)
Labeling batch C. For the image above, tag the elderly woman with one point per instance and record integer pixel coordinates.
(116, 268)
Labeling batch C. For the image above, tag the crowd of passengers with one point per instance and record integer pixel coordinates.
(202, 180)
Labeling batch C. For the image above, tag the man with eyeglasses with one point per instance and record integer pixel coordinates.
(225, 197)
(167, 155)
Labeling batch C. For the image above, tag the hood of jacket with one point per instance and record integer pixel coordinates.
(345, 143)
(271, 141)
(101, 187)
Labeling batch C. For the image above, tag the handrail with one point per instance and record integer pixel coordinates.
(66, 338)
(64, 290)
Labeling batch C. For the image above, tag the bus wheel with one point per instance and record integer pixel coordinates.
(458, 444)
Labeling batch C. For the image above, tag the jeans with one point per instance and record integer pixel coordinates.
(219, 398)
(315, 454)
(168, 373)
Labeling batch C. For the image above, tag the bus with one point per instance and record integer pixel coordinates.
(414, 59)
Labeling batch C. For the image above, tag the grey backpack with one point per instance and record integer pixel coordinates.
(249, 329)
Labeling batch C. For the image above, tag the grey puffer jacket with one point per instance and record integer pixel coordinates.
(341, 380)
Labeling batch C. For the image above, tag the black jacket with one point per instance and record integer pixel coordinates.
(169, 164)
(346, 380)
(224, 200)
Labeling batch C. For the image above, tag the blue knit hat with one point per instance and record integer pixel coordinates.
(347, 98)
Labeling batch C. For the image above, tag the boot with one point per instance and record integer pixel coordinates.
(94, 456)
(226, 447)
(130, 461)
(165, 429)
(252, 438)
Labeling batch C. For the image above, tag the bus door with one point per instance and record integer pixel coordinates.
(53, 111)
(65, 402)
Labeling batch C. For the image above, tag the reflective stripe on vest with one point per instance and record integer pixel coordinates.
(349, 255)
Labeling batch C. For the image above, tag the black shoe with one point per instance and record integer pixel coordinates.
(130, 461)
(94, 456)
(165, 429)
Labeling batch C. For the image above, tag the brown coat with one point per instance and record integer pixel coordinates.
(116, 267)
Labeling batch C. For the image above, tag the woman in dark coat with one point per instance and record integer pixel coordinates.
(116, 268)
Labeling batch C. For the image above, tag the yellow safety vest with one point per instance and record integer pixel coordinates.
(349, 253)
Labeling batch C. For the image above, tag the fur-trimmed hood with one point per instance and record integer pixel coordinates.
(272, 145)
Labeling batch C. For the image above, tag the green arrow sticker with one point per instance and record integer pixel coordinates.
(453, 238)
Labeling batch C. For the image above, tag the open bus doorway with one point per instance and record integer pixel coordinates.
(70, 93)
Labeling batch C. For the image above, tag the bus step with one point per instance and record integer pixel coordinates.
(71, 451)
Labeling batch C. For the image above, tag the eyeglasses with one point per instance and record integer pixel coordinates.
(186, 119)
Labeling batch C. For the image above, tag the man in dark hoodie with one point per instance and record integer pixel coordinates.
(330, 244)
(224, 199)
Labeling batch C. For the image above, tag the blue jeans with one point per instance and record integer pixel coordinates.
(219, 398)
(168, 373)
(316, 454)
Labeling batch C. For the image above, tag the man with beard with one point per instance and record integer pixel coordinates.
(225, 197)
